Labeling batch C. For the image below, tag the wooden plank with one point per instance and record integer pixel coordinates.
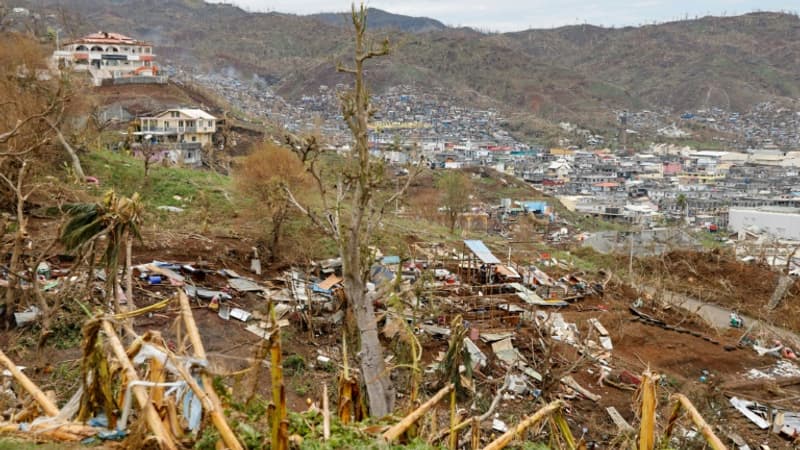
(622, 425)
(598, 326)
(570, 382)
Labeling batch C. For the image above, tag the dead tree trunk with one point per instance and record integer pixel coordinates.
(356, 110)
(354, 198)
(73, 155)
(379, 392)
(15, 265)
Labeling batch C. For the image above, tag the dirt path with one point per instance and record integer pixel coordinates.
(715, 315)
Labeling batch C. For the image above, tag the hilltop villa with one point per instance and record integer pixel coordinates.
(111, 58)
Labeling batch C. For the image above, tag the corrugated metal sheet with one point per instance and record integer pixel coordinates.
(482, 252)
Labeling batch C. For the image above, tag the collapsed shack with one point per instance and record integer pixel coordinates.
(552, 335)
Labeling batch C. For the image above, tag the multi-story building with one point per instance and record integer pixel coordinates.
(179, 133)
(180, 125)
(110, 56)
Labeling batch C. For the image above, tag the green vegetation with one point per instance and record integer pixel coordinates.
(10, 443)
(590, 223)
(204, 194)
(710, 241)
(587, 259)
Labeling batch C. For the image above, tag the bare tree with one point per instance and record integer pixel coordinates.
(21, 194)
(34, 102)
(352, 209)
(150, 152)
(262, 174)
(454, 189)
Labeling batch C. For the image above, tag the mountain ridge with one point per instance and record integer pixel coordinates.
(579, 73)
(383, 20)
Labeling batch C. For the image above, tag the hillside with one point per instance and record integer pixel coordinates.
(578, 73)
(379, 19)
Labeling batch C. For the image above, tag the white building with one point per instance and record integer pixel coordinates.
(180, 125)
(778, 222)
(110, 56)
(180, 133)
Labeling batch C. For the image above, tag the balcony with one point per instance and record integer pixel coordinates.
(167, 146)
(178, 130)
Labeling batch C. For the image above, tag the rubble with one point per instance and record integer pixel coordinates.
(537, 350)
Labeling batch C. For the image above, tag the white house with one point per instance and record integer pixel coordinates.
(181, 133)
(110, 56)
(559, 169)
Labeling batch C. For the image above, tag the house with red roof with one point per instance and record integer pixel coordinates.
(111, 58)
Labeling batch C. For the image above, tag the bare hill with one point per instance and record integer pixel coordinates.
(379, 19)
(577, 73)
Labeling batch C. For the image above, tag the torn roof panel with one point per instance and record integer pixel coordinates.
(507, 271)
(482, 252)
(330, 282)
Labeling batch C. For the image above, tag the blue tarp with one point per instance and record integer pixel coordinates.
(534, 206)
(482, 252)
(380, 275)
(390, 260)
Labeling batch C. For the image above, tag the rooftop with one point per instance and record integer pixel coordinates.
(103, 37)
(769, 209)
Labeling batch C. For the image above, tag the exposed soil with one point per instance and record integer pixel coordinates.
(680, 357)
(717, 277)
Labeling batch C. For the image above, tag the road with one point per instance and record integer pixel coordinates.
(717, 316)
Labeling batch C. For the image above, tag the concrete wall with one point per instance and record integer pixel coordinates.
(780, 224)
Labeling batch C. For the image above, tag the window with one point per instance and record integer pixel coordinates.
(194, 138)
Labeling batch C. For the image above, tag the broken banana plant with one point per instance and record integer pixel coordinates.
(457, 356)
(199, 352)
(398, 429)
(502, 441)
(279, 431)
(647, 411)
(349, 391)
(682, 402)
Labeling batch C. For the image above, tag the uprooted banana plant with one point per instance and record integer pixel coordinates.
(279, 430)
(116, 217)
(97, 376)
(350, 402)
(456, 358)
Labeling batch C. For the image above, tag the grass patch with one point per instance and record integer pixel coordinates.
(205, 196)
(708, 240)
(11, 443)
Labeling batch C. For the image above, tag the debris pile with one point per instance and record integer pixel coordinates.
(165, 388)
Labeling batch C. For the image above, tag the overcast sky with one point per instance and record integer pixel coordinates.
(512, 15)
